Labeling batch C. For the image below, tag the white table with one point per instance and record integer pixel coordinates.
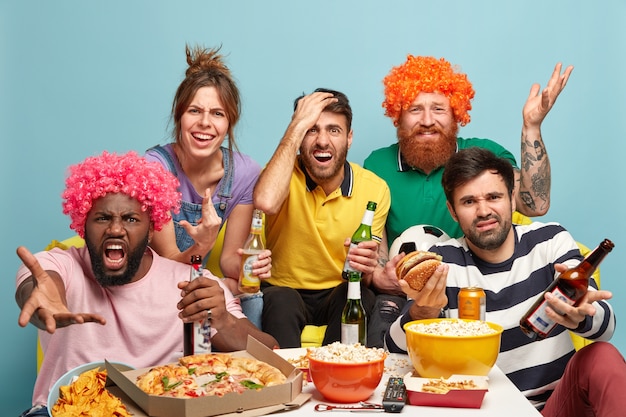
(502, 399)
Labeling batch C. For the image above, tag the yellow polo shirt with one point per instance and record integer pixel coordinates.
(306, 236)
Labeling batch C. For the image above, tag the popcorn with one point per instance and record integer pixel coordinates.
(454, 328)
(340, 353)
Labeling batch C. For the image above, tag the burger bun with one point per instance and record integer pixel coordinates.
(417, 267)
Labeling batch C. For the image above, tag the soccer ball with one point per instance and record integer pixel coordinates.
(419, 237)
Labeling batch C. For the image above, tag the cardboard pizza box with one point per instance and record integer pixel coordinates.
(270, 399)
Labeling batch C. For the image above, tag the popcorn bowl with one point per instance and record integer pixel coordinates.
(442, 355)
(346, 382)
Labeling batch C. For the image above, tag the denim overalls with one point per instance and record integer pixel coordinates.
(192, 212)
(251, 304)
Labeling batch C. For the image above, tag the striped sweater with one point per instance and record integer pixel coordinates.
(511, 287)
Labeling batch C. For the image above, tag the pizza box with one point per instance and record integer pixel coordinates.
(457, 398)
(275, 398)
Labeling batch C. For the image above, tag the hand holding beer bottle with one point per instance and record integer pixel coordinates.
(197, 335)
(363, 233)
(249, 283)
(570, 286)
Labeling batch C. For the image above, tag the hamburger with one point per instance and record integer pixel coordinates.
(417, 267)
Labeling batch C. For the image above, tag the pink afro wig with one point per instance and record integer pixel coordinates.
(151, 184)
(430, 75)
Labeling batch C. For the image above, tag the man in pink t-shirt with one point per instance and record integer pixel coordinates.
(116, 298)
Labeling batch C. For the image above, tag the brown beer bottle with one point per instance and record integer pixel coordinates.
(570, 286)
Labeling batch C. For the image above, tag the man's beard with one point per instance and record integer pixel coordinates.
(132, 266)
(492, 239)
(319, 175)
(427, 155)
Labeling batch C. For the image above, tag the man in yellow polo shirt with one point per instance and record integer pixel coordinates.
(314, 200)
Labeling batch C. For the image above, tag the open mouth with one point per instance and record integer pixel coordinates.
(202, 137)
(114, 256)
(322, 156)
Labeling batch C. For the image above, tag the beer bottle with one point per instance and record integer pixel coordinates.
(249, 283)
(362, 234)
(353, 317)
(197, 335)
(570, 286)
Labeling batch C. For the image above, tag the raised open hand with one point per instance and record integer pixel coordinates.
(42, 299)
(538, 105)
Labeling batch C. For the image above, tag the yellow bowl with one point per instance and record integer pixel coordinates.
(437, 356)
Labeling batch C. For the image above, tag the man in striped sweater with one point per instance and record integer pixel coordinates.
(514, 265)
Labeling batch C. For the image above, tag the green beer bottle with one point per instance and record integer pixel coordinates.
(353, 317)
(362, 234)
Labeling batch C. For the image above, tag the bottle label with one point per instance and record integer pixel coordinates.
(248, 279)
(539, 319)
(349, 333)
(346, 266)
(202, 336)
(368, 217)
(257, 224)
(354, 291)
(195, 272)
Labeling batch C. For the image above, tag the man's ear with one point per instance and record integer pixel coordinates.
(513, 203)
(150, 233)
(350, 139)
(452, 212)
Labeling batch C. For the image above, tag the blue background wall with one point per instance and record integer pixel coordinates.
(78, 77)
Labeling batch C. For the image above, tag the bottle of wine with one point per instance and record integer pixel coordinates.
(197, 335)
(249, 283)
(570, 286)
(353, 317)
(362, 233)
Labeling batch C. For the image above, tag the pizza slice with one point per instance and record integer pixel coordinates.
(209, 374)
(168, 380)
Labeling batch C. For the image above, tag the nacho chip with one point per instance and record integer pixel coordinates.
(87, 396)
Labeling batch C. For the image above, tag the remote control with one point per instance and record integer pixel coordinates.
(395, 395)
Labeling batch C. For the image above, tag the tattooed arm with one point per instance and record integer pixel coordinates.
(533, 179)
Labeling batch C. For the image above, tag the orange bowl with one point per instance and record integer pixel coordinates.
(439, 356)
(346, 382)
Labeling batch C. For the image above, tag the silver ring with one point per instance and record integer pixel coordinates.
(208, 313)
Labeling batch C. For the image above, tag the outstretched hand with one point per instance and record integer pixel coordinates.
(45, 305)
(538, 105)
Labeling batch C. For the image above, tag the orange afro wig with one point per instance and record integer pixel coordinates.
(153, 186)
(430, 75)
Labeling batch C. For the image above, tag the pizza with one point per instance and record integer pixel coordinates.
(209, 374)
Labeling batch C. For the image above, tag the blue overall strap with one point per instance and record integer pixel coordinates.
(168, 158)
(225, 191)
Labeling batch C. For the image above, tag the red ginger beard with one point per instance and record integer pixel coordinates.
(427, 155)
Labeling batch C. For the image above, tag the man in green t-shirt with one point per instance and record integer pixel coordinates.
(428, 101)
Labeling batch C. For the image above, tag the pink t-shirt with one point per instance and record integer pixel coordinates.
(142, 324)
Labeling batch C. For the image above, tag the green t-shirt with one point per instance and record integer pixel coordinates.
(417, 198)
